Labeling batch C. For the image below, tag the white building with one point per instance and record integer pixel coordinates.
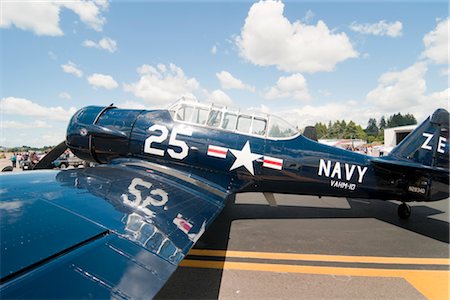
(393, 136)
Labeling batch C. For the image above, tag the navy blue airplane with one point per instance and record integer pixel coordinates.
(119, 229)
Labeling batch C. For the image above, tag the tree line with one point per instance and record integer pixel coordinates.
(25, 148)
(373, 132)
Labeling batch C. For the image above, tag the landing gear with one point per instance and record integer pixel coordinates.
(404, 211)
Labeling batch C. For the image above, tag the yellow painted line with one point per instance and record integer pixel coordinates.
(320, 257)
(433, 284)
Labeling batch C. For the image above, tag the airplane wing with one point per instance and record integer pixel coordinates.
(113, 231)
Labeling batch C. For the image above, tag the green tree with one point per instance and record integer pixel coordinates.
(335, 131)
(321, 130)
(409, 119)
(372, 127)
(360, 133)
(329, 130)
(350, 131)
(399, 120)
(382, 123)
(380, 136)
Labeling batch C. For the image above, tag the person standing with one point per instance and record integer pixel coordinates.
(13, 160)
(34, 158)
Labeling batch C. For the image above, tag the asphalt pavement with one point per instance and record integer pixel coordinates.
(318, 248)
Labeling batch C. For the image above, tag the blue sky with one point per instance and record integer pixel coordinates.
(307, 61)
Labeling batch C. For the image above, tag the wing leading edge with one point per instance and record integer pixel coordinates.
(114, 231)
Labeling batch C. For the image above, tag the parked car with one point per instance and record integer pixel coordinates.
(74, 161)
(65, 161)
(61, 162)
(26, 165)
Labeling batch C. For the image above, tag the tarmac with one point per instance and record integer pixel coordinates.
(318, 248)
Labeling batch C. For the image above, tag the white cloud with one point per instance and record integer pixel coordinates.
(102, 3)
(105, 43)
(42, 17)
(265, 109)
(52, 55)
(402, 89)
(308, 16)
(440, 99)
(445, 72)
(324, 93)
(25, 107)
(162, 84)
(220, 97)
(437, 44)
(50, 138)
(427, 105)
(132, 105)
(102, 81)
(65, 95)
(268, 38)
(214, 49)
(293, 86)
(37, 138)
(381, 28)
(228, 81)
(308, 115)
(20, 125)
(354, 111)
(72, 68)
(406, 91)
(88, 11)
(90, 44)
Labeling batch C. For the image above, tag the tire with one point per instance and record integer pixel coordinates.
(63, 166)
(7, 169)
(404, 211)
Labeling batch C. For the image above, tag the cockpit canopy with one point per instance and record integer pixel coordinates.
(235, 120)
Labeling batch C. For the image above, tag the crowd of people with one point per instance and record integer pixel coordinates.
(18, 158)
(362, 150)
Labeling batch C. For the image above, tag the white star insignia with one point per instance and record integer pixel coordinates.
(245, 158)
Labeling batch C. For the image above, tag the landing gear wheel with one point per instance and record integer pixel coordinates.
(404, 211)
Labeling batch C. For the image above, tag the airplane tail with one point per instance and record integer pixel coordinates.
(420, 163)
(428, 144)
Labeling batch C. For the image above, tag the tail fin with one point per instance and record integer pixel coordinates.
(428, 143)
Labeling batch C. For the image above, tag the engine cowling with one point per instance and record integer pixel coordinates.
(100, 134)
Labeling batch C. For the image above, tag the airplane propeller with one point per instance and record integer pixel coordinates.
(47, 161)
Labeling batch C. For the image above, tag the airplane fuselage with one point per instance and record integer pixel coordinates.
(247, 162)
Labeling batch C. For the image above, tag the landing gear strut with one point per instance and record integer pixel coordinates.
(404, 211)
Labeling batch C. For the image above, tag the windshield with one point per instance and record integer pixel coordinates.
(279, 128)
(216, 116)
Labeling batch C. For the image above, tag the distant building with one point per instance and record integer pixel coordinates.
(393, 136)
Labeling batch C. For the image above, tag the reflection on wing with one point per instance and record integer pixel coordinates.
(152, 238)
(115, 231)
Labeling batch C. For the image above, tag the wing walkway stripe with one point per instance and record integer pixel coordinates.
(320, 257)
(432, 284)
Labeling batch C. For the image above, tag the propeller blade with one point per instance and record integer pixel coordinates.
(47, 161)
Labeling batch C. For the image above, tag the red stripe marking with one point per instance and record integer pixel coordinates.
(272, 162)
(217, 151)
(186, 225)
